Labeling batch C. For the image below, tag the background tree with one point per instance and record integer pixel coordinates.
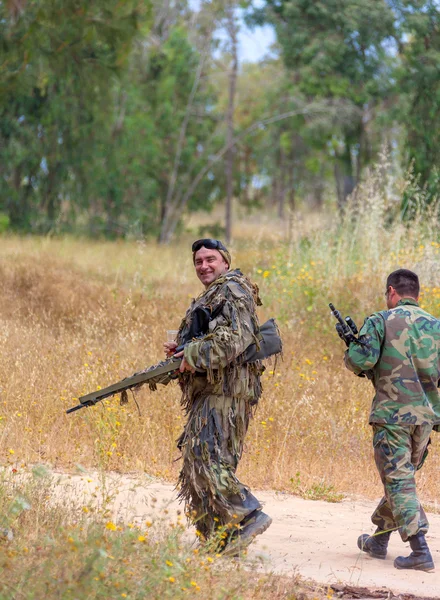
(419, 80)
(57, 59)
(338, 50)
(119, 118)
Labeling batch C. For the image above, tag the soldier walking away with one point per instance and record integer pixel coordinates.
(220, 392)
(399, 350)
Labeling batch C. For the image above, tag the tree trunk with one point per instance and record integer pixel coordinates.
(291, 185)
(229, 161)
(345, 179)
(247, 175)
(282, 186)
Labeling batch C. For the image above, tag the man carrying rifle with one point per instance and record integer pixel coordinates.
(219, 393)
(399, 350)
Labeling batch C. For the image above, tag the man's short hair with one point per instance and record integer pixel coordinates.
(405, 282)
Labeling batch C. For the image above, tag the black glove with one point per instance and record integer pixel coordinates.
(346, 336)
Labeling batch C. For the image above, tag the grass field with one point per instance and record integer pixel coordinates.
(79, 314)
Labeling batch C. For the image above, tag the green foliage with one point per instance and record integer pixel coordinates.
(335, 47)
(338, 51)
(4, 222)
(419, 79)
(112, 114)
(320, 490)
(56, 63)
(91, 120)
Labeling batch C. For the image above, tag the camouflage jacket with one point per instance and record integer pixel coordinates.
(401, 351)
(233, 299)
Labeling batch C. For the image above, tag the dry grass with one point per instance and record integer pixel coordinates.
(79, 314)
(69, 550)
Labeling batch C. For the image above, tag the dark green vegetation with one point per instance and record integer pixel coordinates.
(117, 117)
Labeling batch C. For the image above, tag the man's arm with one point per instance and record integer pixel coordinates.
(229, 336)
(363, 357)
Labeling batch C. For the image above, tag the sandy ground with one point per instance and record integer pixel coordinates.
(315, 539)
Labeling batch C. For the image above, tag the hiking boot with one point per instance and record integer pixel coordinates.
(420, 558)
(375, 545)
(253, 525)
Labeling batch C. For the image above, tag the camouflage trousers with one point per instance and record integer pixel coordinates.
(399, 450)
(212, 445)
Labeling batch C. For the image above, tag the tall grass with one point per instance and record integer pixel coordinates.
(78, 314)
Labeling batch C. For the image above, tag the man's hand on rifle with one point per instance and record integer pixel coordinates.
(346, 336)
(169, 348)
(184, 365)
(346, 329)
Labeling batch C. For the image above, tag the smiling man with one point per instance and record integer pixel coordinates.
(220, 391)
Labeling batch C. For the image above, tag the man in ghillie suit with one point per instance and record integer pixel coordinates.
(399, 350)
(219, 394)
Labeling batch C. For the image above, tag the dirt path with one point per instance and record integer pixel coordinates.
(315, 539)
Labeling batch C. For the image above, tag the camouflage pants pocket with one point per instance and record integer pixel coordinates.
(380, 440)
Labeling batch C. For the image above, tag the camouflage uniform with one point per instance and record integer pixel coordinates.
(401, 355)
(218, 400)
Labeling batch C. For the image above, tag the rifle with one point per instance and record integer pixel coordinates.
(346, 329)
(269, 344)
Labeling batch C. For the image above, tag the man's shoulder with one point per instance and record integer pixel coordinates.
(377, 318)
(422, 313)
(235, 284)
(238, 284)
(417, 314)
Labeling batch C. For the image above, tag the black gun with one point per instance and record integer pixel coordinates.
(346, 328)
(348, 331)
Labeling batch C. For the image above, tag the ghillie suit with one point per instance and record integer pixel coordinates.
(219, 399)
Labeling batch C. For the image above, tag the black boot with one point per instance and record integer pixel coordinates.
(420, 557)
(375, 545)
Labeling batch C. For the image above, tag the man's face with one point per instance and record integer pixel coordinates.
(209, 265)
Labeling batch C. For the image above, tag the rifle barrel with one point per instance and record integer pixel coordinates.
(337, 315)
(74, 408)
(125, 384)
